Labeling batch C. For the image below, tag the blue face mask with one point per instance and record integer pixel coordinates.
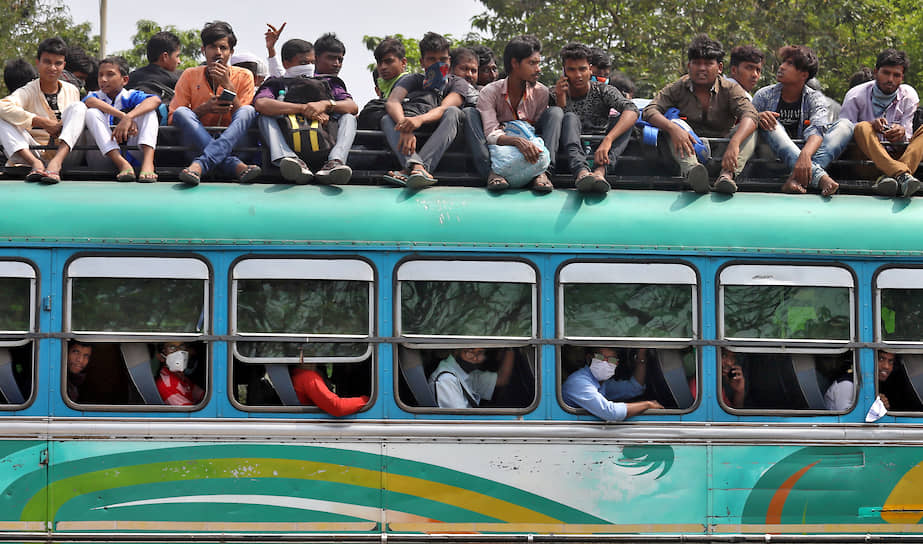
(600, 79)
(435, 77)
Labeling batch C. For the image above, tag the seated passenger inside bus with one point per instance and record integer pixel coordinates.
(175, 388)
(78, 358)
(314, 388)
(595, 389)
(733, 382)
(840, 394)
(460, 381)
(895, 389)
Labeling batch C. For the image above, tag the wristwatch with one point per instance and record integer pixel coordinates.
(333, 104)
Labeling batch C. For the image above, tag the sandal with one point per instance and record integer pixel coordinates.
(250, 173)
(125, 175)
(396, 177)
(190, 177)
(147, 176)
(497, 183)
(420, 179)
(541, 184)
(36, 174)
(51, 177)
(586, 183)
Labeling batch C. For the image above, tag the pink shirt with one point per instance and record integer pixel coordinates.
(494, 105)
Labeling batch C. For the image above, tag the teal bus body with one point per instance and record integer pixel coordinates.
(223, 472)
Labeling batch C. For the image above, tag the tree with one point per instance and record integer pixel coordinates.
(647, 38)
(190, 44)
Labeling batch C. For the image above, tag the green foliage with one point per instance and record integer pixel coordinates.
(190, 45)
(624, 310)
(771, 311)
(14, 299)
(25, 23)
(647, 38)
(906, 307)
(137, 305)
(456, 308)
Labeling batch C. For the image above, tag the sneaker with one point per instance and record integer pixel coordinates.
(334, 172)
(697, 178)
(294, 169)
(885, 186)
(909, 185)
(725, 184)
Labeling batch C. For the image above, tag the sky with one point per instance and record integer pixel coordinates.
(249, 18)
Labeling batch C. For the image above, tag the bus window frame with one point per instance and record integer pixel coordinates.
(8, 339)
(371, 354)
(886, 270)
(786, 345)
(665, 265)
(495, 264)
(108, 337)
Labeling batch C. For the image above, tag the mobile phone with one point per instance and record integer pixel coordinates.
(227, 96)
(885, 128)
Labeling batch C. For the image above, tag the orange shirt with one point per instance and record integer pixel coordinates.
(193, 89)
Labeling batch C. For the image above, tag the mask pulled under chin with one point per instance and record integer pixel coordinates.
(602, 370)
(177, 361)
(300, 70)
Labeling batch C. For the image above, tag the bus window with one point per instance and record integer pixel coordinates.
(134, 324)
(641, 315)
(899, 321)
(18, 298)
(293, 308)
(786, 327)
(465, 329)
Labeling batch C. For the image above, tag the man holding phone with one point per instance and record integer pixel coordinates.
(215, 95)
(882, 110)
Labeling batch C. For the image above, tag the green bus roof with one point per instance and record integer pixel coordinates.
(167, 214)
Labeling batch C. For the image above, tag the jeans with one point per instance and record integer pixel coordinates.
(437, 144)
(214, 151)
(836, 137)
(747, 147)
(548, 127)
(577, 160)
(274, 140)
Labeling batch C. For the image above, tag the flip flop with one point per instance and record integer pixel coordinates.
(420, 179)
(541, 184)
(396, 177)
(36, 174)
(250, 173)
(190, 177)
(51, 177)
(125, 175)
(497, 183)
(147, 176)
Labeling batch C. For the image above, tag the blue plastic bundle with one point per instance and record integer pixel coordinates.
(649, 134)
(510, 163)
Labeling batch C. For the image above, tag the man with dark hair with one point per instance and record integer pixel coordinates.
(623, 83)
(586, 106)
(518, 96)
(434, 98)
(746, 67)
(487, 65)
(45, 111)
(78, 358)
(159, 77)
(883, 111)
(18, 72)
(712, 107)
(391, 63)
(595, 389)
(791, 110)
(861, 76)
(600, 65)
(215, 95)
(80, 69)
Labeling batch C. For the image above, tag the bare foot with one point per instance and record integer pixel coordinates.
(793, 187)
(828, 186)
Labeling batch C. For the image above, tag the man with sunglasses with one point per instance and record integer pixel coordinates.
(593, 389)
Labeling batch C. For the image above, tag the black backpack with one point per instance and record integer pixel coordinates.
(308, 138)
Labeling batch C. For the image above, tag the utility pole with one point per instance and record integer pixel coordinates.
(102, 28)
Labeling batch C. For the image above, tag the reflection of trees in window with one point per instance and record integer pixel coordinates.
(302, 307)
(137, 304)
(758, 311)
(455, 308)
(623, 310)
(902, 314)
(15, 301)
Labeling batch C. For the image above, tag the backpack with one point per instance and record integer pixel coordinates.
(308, 138)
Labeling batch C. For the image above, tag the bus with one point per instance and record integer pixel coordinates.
(375, 285)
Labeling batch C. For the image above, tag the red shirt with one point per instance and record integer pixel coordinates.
(311, 390)
(178, 390)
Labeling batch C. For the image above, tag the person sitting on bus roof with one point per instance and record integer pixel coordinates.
(790, 110)
(586, 106)
(215, 95)
(487, 65)
(593, 389)
(134, 114)
(882, 110)
(518, 96)
(600, 65)
(458, 382)
(746, 67)
(314, 389)
(45, 111)
(732, 380)
(623, 83)
(728, 114)
(434, 99)
(18, 72)
(78, 358)
(175, 388)
(159, 76)
(391, 63)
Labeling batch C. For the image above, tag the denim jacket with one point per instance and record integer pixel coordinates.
(813, 108)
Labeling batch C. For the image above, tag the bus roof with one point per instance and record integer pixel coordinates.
(166, 214)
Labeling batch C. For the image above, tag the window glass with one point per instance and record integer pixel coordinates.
(902, 315)
(455, 308)
(156, 305)
(628, 310)
(775, 311)
(16, 301)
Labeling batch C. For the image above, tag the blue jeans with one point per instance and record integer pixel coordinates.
(437, 144)
(214, 151)
(274, 139)
(548, 127)
(570, 138)
(837, 136)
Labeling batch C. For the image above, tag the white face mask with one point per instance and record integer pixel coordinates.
(602, 370)
(176, 361)
(300, 70)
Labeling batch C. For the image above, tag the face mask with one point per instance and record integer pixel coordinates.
(600, 79)
(300, 70)
(602, 370)
(434, 79)
(176, 361)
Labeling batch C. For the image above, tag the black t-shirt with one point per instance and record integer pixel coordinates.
(790, 116)
(52, 100)
(154, 79)
(413, 83)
